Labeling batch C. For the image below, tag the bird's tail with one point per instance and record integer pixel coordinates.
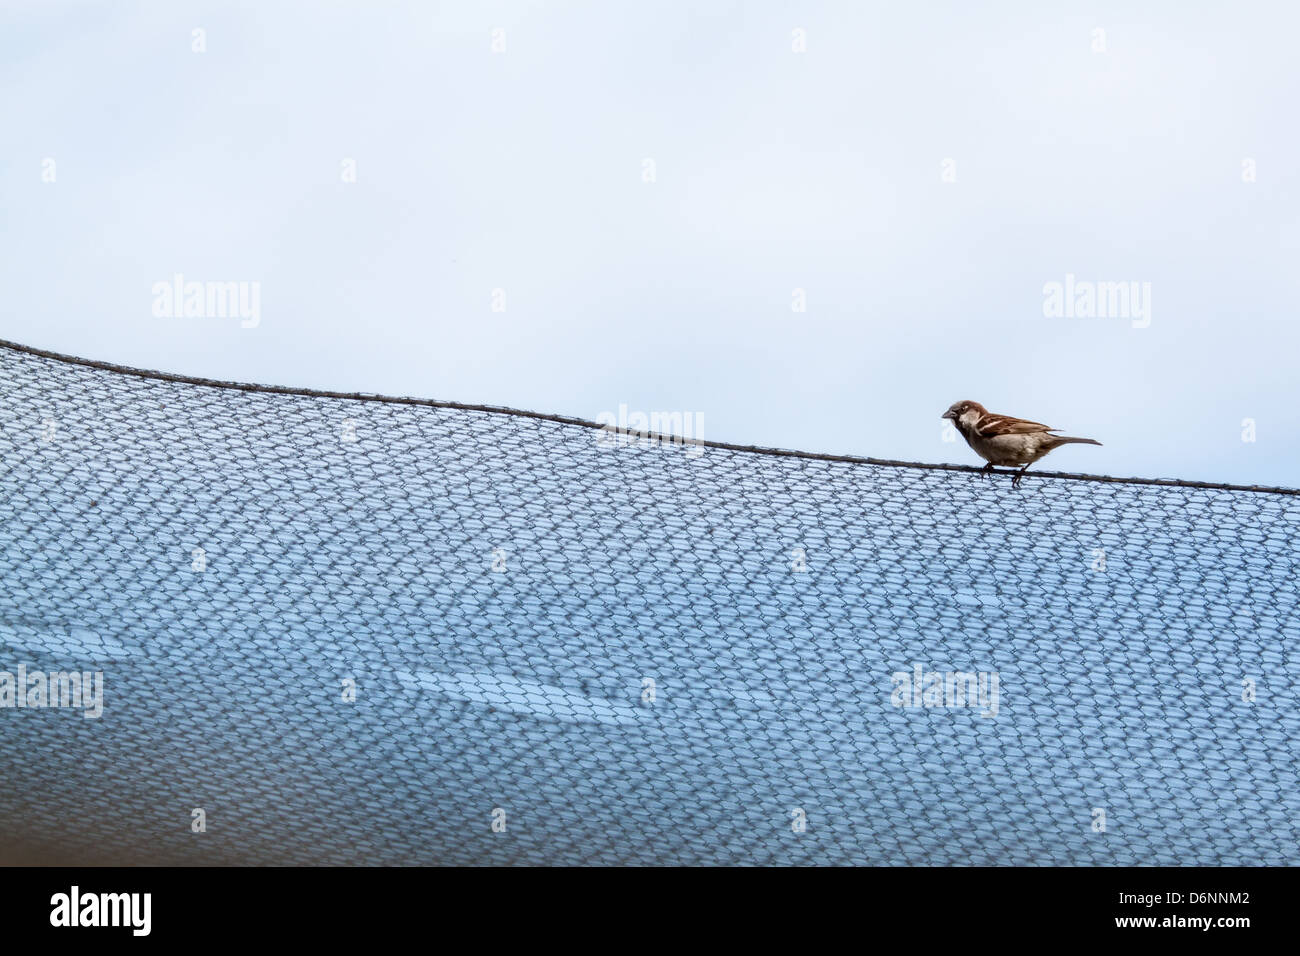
(1066, 440)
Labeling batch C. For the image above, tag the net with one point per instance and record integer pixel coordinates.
(361, 631)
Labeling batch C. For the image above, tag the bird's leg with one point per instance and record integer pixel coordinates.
(986, 470)
(1015, 480)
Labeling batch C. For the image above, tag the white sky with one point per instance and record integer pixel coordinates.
(522, 171)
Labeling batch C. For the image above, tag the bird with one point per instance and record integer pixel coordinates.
(1003, 440)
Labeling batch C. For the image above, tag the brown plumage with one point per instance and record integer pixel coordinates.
(1004, 440)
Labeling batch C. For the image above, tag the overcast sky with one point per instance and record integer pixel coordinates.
(921, 172)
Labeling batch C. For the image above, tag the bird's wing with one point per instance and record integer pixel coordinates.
(992, 425)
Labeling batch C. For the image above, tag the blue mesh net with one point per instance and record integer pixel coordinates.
(568, 648)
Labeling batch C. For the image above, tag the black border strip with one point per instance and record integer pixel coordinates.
(584, 423)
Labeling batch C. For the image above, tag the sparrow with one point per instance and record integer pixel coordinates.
(1003, 440)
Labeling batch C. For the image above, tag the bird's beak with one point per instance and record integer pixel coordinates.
(948, 414)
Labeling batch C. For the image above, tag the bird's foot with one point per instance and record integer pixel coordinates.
(1015, 479)
(986, 470)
